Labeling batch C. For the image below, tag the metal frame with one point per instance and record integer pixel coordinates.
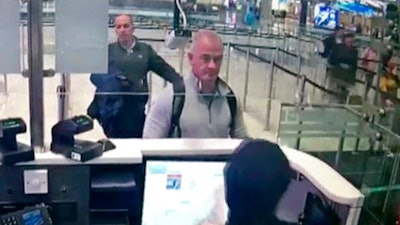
(35, 64)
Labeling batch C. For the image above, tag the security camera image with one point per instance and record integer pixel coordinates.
(187, 193)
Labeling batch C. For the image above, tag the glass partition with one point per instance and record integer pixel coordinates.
(352, 140)
(150, 25)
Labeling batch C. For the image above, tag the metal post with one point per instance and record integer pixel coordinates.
(5, 84)
(228, 56)
(298, 68)
(377, 92)
(176, 22)
(300, 94)
(181, 54)
(35, 62)
(246, 81)
(23, 47)
(269, 95)
(270, 88)
(63, 92)
(392, 181)
(301, 88)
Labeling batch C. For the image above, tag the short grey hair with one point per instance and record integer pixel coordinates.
(204, 33)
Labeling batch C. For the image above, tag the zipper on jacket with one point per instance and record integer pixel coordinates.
(209, 111)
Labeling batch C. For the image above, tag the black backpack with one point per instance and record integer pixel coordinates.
(179, 101)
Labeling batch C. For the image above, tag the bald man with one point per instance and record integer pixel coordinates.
(129, 61)
(207, 111)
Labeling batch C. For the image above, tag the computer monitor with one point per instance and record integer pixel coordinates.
(184, 192)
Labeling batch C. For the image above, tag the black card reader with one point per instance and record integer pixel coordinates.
(32, 215)
(64, 142)
(11, 151)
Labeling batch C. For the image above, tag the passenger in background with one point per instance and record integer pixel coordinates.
(369, 63)
(123, 116)
(208, 109)
(330, 42)
(389, 84)
(342, 74)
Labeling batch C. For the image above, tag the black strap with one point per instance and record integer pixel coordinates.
(177, 107)
(232, 103)
(179, 101)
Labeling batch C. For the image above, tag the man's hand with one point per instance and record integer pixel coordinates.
(344, 66)
(388, 103)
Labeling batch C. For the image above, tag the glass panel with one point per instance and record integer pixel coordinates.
(9, 37)
(14, 101)
(81, 40)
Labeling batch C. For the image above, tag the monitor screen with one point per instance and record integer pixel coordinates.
(325, 16)
(184, 192)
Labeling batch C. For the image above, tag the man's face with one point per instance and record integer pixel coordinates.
(206, 59)
(123, 28)
(349, 41)
(339, 33)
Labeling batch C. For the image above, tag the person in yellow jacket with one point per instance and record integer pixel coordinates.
(389, 83)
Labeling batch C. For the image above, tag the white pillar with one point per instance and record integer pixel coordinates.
(266, 12)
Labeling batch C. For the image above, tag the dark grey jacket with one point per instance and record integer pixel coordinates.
(137, 62)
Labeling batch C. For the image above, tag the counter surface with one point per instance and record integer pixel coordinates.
(132, 151)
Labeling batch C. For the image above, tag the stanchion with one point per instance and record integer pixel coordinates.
(228, 59)
(378, 81)
(63, 93)
(298, 68)
(300, 95)
(246, 81)
(35, 62)
(270, 89)
(300, 92)
(23, 64)
(269, 96)
(181, 56)
(5, 84)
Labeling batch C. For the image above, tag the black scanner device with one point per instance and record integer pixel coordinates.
(64, 142)
(11, 151)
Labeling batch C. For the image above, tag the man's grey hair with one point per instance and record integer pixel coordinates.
(204, 33)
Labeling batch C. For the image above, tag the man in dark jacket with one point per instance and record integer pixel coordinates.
(132, 61)
(342, 74)
(331, 41)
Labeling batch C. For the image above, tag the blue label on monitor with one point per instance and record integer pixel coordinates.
(174, 181)
(157, 169)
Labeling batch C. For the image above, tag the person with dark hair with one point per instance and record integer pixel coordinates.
(331, 41)
(343, 63)
(256, 178)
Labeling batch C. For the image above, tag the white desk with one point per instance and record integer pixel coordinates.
(324, 177)
(129, 151)
(320, 174)
(173, 147)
